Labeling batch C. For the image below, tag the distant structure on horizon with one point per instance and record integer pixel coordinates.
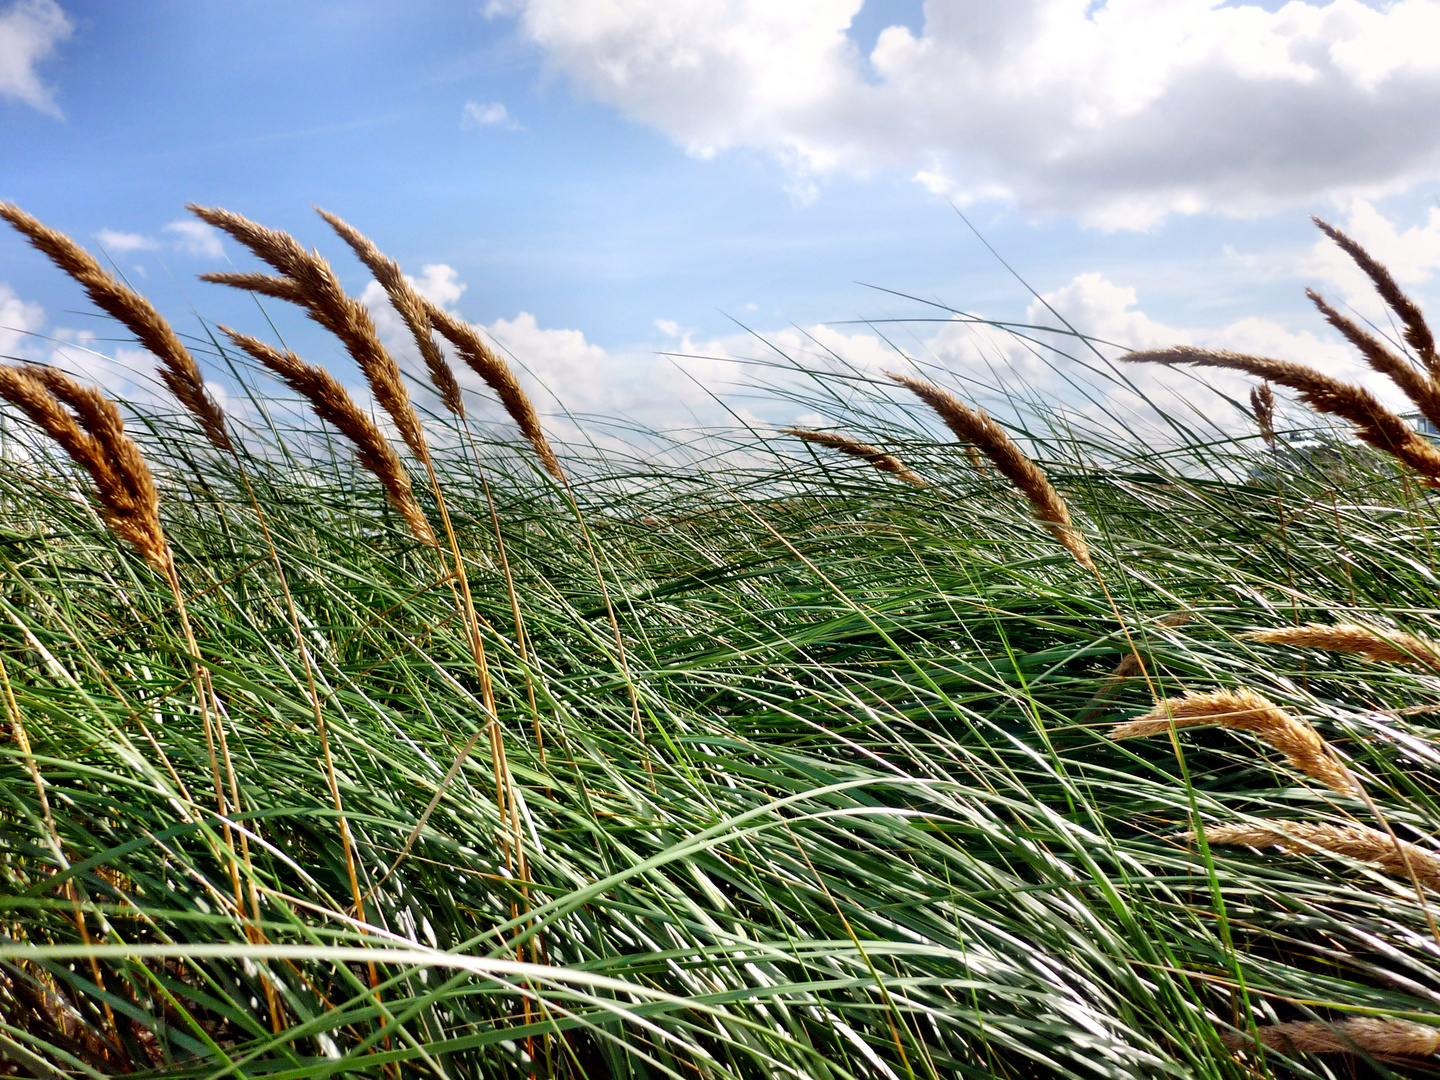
(1422, 425)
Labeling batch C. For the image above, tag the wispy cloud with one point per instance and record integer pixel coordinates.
(196, 238)
(118, 243)
(29, 32)
(494, 114)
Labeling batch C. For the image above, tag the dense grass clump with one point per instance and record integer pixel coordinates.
(797, 764)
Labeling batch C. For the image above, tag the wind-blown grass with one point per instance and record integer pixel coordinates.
(865, 832)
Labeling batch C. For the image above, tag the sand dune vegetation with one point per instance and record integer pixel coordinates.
(935, 745)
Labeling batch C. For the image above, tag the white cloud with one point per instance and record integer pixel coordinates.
(18, 319)
(1121, 113)
(29, 32)
(561, 366)
(196, 238)
(120, 242)
(438, 283)
(493, 114)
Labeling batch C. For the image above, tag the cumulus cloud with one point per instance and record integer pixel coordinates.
(121, 242)
(1120, 112)
(29, 32)
(475, 116)
(196, 238)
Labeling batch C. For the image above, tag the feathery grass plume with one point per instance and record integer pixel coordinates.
(1262, 404)
(94, 436)
(1377, 425)
(1371, 1034)
(178, 369)
(408, 303)
(1245, 710)
(1418, 386)
(1353, 841)
(308, 280)
(1373, 643)
(854, 448)
(1417, 331)
(500, 378)
(975, 426)
(332, 402)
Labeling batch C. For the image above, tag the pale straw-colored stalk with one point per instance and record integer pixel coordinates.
(1377, 1035)
(308, 280)
(73, 889)
(88, 427)
(414, 312)
(975, 427)
(500, 377)
(1245, 710)
(871, 455)
(1358, 842)
(1375, 643)
(181, 375)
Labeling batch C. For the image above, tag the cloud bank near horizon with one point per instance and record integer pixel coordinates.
(1120, 114)
(593, 392)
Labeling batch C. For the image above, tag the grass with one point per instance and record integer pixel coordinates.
(838, 800)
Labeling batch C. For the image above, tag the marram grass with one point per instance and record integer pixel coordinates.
(833, 795)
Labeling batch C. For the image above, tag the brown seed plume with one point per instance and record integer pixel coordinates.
(500, 378)
(307, 279)
(1372, 1034)
(407, 302)
(1245, 710)
(1353, 841)
(93, 434)
(975, 426)
(854, 448)
(1417, 331)
(1262, 404)
(333, 403)
(1418, 386)
(1371, 642)
(178, 369)
(1377, 425)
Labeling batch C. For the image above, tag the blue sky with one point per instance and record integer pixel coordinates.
(609, 181)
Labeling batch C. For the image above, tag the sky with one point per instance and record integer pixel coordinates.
(636, 196)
